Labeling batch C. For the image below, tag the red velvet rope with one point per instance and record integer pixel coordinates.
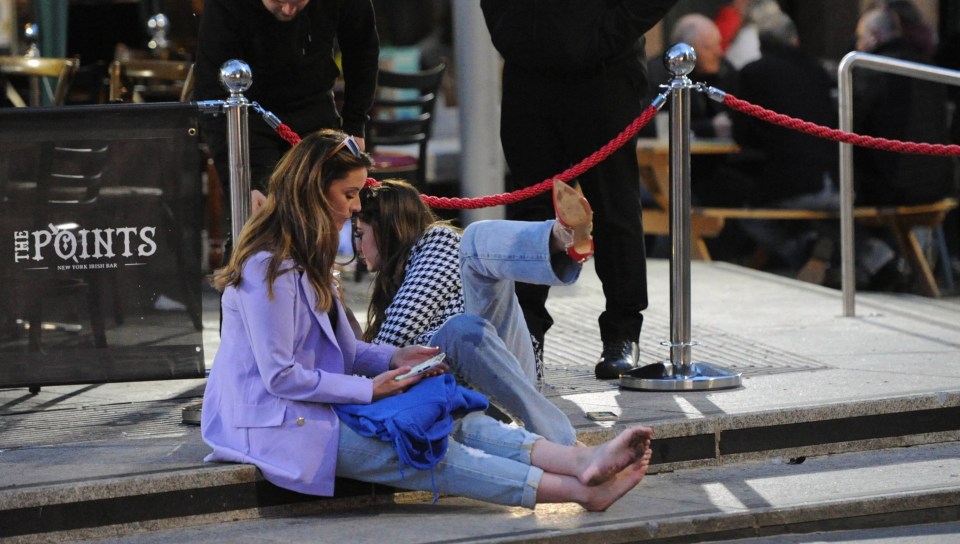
(458, 203)
(288, 134)
(836, 135)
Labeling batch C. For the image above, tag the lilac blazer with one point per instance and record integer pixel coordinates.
(279, 367)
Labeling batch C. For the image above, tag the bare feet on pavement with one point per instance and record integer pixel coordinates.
(604, 495)
(601, 463)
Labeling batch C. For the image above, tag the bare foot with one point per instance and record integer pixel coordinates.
(600, 463)
(604, 495)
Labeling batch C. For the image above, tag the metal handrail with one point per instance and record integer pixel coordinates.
(845, 83)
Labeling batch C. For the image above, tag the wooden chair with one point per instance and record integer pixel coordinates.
(61, 68)
(402, 117)
(150, 80)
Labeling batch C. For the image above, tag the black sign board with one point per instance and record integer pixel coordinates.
(100, 221)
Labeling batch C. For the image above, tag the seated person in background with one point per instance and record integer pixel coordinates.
(916, 32)
(745, 47)
(432, 287)
(793, 169)
(288, 364)
(901, 108)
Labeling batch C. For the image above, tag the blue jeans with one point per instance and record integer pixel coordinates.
(489, 346)
(486, 460)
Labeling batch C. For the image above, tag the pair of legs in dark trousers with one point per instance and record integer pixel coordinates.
(551, 123)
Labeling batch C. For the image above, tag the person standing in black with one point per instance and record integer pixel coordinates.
(289, 46)
(574, 78)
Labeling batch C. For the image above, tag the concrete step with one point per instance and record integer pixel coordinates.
(893, 488)
(149, 474)
(112, 486)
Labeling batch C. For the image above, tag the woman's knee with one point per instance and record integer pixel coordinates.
(464, 327)
(470, 233)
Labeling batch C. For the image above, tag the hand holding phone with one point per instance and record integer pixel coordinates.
(425, 366)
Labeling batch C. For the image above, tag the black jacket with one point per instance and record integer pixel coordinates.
(292, 62)
(571, 37)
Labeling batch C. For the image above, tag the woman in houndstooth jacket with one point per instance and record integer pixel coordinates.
(435, 287)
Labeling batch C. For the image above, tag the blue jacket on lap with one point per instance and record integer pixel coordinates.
(418, 421)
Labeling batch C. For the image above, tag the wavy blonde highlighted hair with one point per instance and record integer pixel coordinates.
(295, 221)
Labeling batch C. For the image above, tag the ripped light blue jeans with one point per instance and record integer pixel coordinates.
(489, 346)
(486, 460)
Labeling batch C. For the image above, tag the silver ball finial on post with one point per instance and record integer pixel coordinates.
(236, 76)
(680, 59)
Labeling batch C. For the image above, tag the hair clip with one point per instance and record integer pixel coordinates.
(371, 183)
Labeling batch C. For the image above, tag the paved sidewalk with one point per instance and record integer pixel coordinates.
(108, 459)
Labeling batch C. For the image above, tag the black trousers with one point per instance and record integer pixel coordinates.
(551, 123)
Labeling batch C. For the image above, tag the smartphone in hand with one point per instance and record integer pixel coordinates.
(425, 366)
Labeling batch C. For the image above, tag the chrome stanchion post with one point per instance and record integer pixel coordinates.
(31, 34)
(236, 77)
(680, 372)
(680, 202)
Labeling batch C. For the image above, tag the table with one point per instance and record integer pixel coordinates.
(653, 155)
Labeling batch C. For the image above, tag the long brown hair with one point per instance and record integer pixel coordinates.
(398, 218)
(295, 221)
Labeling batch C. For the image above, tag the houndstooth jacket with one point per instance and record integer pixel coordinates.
(431, 291)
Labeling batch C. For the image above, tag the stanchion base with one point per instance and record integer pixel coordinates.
(664, 376)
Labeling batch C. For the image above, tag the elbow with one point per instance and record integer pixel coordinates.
(281, 383)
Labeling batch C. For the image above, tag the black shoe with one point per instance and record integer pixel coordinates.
(617, 358)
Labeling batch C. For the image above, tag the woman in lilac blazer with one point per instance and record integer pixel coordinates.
(287, 354)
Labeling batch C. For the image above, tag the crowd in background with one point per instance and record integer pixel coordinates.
(752, 49)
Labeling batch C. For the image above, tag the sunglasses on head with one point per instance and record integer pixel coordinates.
(351, 146)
